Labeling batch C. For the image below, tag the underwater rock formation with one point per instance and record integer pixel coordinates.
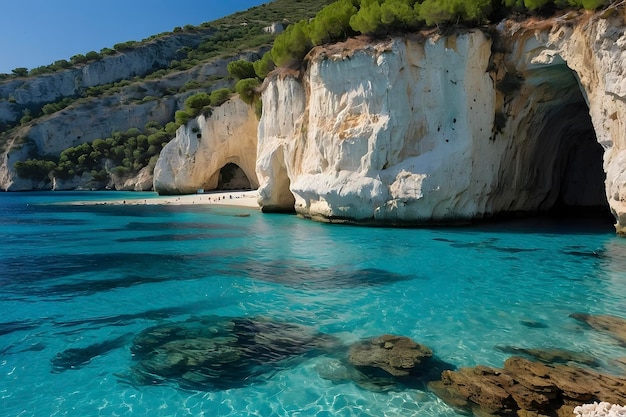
(76, 358)
(551, 355)
(396, 355)
(383, 363)
(613, 325)
(209, 353)
(303, 275)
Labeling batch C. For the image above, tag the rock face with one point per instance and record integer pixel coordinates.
(444, 129)
(203, 147)
(523, 387)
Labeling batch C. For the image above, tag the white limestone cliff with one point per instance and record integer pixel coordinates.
(202, 147)
(443, 129)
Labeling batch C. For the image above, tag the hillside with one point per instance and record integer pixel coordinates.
(131, 90)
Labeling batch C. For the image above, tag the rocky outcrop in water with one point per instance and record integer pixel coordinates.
(524, 388)
(383, 363)
(439, 129)
(396, 355)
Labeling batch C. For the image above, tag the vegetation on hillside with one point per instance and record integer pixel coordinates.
(123, 153)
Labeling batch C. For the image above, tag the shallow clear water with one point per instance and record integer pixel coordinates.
(75, 276)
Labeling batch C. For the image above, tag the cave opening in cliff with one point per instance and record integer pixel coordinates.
(232, 177)
(568, 157)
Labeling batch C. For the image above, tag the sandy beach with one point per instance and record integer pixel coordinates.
(226, 198)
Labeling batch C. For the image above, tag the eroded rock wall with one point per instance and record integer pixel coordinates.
(445, 129)
(389, 132)
(202, 147)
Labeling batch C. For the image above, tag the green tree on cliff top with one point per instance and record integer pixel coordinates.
(381, 17)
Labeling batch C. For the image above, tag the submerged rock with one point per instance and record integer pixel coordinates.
(306, 276)
(532, 324)
(75, 358)
(396, 355)
(552, 355)
(216, 352)
(384, 363)
(523, 387)
(615, 326)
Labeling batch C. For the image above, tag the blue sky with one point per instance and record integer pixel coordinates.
(39, 32)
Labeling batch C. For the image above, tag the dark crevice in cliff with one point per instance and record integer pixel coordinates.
(232, 177)
(567, 156)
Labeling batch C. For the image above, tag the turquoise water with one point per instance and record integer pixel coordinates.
(76, 276)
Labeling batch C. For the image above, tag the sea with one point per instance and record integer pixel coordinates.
(111, 310)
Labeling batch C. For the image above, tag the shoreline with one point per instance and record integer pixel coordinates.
(223, 198)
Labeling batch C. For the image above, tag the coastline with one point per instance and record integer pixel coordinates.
(224, 198)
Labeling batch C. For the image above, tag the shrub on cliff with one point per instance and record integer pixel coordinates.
(332, 22)
(247, 89)
(263, 66)
(292, 45)
(374, 16)
(181, 117)
(59, 105)
(20, 71)
(218, 97)
(195, 103)
(241, 69)
(130, 151)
